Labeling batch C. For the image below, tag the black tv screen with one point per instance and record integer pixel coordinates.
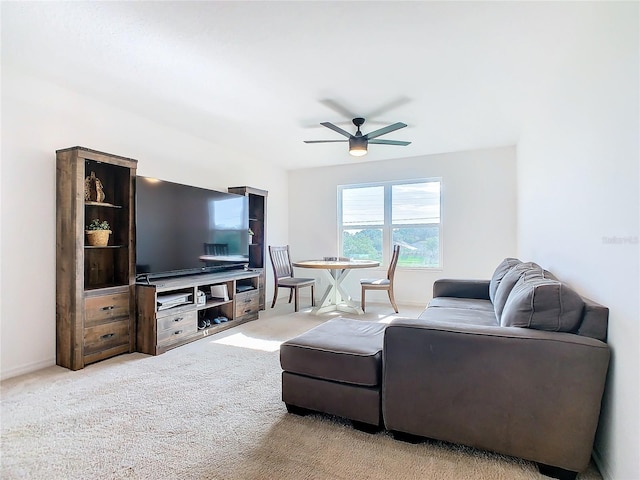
(182, 229)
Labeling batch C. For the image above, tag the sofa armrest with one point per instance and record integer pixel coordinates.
(448, 287)
(517, 391)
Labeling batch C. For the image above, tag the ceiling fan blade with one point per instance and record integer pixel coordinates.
(383, 109)
(336, 107)
(336, 129)
(390, 142)
(324, 141)
(384, 130)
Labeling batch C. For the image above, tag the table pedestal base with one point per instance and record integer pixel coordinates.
(335, 298)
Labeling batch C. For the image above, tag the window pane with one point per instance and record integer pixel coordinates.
(405, 213)
(419, 246)
(415, 203)
(362, 244)
(363, 206)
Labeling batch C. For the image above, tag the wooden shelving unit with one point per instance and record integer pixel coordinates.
(258, 224)
(95, 297)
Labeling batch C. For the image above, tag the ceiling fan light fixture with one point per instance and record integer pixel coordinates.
(359, 142)
(358, 146)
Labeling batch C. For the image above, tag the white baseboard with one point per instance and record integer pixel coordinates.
(23, 369)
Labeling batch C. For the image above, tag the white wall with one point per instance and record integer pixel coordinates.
(39, 118)
(578, 192)
(478, 215)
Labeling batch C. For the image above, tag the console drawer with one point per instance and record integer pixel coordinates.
(105, 308)
(177, 320)
(175, 328)
(247, 303)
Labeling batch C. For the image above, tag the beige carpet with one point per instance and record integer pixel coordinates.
(210, 410)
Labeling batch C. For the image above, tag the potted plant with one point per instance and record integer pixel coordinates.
(251, 234)
(98, 233)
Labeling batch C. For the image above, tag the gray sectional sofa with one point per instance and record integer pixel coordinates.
(515, 365)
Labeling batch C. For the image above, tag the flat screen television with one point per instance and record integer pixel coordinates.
(182, 229)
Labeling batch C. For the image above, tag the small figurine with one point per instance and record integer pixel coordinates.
(93, 191)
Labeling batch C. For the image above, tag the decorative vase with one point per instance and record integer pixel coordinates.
(98, 238)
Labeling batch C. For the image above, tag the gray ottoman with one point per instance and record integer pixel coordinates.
(335, 368)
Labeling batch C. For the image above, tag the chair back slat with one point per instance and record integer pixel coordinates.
(281, 262)
(394, 262)
(388, 286)
(216, 249)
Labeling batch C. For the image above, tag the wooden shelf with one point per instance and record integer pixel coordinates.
(105, 286)
(101, 204)
(214, 303)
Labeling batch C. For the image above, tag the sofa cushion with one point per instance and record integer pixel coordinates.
(529, 269)
(459, 316)
(466, 303)
(542, 304)
(499, 273)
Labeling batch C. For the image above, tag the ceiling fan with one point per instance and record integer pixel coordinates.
(359, 142)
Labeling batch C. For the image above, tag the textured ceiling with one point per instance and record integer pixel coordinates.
(259, 77)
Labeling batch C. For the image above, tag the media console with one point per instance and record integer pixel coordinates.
(168, 309)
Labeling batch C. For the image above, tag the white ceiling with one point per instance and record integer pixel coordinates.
(260, 76)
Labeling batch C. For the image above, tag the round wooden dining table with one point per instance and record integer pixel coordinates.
(335, 297)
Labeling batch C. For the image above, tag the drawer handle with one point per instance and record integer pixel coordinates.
(178, 332)
(107, 336)
(110, 307)
(179, 319)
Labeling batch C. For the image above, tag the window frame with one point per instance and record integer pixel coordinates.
(387, 225)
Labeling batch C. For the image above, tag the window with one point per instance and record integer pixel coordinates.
(373, 217)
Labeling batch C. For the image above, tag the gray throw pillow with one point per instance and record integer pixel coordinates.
(543, 304)
(530, 269)
(499, 273)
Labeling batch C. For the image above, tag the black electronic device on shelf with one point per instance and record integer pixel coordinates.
(244, 288)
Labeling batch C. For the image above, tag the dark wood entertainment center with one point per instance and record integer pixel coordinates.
(161, 329)
(100, 309)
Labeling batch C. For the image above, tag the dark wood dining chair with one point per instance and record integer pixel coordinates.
(216, 249)
(383, 283)
(283, 276)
